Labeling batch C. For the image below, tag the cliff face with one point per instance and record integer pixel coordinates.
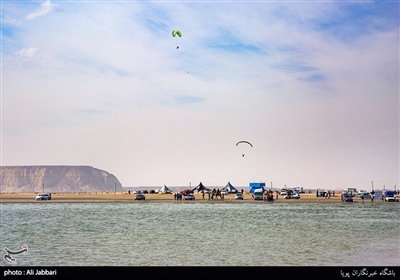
(55, 179)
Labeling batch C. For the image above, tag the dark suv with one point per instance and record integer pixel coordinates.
(140, 196)
(347, 198)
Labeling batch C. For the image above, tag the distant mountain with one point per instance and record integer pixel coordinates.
(55, 179)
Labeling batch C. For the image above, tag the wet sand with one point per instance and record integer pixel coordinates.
(125, 197)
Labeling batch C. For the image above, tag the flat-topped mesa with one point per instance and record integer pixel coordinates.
(56, 178)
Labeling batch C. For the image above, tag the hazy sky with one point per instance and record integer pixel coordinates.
(313, 85)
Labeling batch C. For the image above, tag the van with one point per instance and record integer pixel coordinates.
(258, 194)
(298, 189)
(390, 196)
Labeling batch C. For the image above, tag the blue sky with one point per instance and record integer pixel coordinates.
(313, 85)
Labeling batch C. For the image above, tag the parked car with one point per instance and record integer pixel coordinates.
(347, 198)
(322, 193)
(140, 196)
(283, 192)
(224, 192)
(292, 195)
(189, 196)
(365, 195)
(238, 196)
(43, 196)
(361, 192)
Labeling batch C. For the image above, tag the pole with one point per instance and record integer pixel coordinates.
(43, 187)
(115, 187)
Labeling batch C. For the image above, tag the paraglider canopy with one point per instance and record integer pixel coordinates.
(246, 143)
(176, 32)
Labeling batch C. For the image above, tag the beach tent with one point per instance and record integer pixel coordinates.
(200, 187)
(165, 189)
(230, 188)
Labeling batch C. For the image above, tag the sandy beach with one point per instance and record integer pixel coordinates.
(125, 197)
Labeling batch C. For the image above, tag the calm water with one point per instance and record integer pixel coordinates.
(190, 233)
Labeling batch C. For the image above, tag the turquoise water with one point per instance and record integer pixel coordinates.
(202, 234)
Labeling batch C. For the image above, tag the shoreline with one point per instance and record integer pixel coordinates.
(112, 197)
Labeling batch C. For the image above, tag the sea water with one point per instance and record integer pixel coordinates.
(202, 234)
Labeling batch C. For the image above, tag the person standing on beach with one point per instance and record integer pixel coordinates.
(214, 191)
(202, 194)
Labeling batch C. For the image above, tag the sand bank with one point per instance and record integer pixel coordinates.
(125, 197)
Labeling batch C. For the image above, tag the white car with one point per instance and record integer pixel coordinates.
(43, 196)
(238, 196)
(189, 196)
(283, 192)
(293, 195)
(224, 192)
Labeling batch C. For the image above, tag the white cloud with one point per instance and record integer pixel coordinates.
(44, 9)
(26, 53)
(11, 21)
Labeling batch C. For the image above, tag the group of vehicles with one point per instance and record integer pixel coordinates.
(291, 194)
(389, 195)
(189, 196)
(183, 195)
(259, 194)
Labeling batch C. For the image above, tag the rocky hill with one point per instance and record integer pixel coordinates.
(55, 179)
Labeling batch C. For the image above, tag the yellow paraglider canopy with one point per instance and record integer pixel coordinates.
(176, 32)
(245, 143)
